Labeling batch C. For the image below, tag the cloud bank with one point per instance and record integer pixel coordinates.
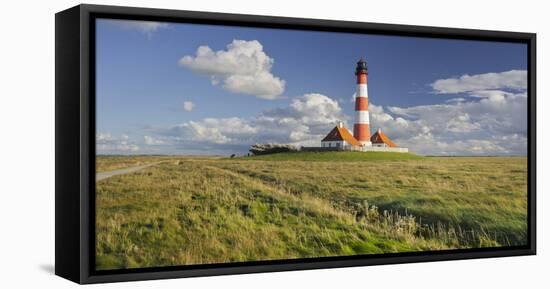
(483, 119)
(513, 79)
(107, 144)
(242, 68)
(489, 117)
(303, 122)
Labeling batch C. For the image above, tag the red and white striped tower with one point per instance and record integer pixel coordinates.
(361, 129)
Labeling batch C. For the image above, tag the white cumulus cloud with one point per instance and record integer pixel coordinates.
(219, 130)
(107, 144)
(493, 125)
(188, 105)
(243, 68)
(513, 79)
(304, 121)
(149, 140)
(488, 118)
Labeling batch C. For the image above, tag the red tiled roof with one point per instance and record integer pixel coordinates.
(340, 134)
(379, 137)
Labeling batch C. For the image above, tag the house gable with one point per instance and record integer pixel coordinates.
(340, 134)
(380, 138)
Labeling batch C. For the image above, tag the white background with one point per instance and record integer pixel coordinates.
(27, 144)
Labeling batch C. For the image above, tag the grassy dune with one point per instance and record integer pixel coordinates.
(204, 210)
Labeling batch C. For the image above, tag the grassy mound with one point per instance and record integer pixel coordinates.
(336, 156)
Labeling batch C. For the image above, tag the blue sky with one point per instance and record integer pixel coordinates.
(157, 93)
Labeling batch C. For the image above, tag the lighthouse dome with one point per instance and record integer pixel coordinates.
(361, 66)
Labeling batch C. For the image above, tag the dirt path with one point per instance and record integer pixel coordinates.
(104, 175)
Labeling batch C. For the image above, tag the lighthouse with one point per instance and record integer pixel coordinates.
(340, 138)
(361, 127)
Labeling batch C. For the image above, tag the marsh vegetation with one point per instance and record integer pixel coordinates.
(193, 210)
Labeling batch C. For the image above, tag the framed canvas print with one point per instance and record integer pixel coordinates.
(194, 144)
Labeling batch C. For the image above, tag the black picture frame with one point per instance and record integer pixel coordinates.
(75, 142)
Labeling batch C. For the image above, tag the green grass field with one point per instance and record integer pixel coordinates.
(193, 210)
